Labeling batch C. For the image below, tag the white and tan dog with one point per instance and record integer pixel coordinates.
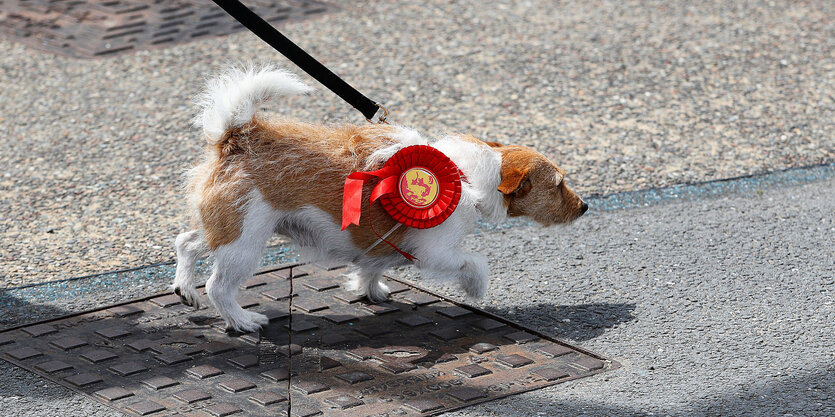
(260, 177)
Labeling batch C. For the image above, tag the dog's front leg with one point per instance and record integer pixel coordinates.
(470, 270)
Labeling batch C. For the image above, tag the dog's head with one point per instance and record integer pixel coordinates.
(533, 186)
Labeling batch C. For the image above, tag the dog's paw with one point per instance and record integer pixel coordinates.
(377, 292)
(474, 287)
(188, 297)
(373, 289)
(473, 278)
(248, 322)
(258, 318)
(354, 282)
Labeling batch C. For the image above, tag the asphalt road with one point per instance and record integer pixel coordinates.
(714, 306)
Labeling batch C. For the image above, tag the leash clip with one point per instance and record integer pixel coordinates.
(379, 118)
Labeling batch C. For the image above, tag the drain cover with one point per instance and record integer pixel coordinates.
(87, 29)
(330, 354)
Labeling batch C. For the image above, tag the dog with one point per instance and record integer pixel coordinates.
(262, 176)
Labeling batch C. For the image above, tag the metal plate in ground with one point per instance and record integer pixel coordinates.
(415, 354)
(95, 28)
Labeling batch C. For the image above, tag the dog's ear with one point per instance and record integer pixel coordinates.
(515, 181)
(493, 144)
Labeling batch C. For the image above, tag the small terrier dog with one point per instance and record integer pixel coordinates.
(260, 177)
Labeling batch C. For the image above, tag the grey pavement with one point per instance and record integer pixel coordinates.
(717, 306)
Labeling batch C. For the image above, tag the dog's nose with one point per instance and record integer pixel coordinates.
(584, 208)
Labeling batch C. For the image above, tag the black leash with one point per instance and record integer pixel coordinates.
(369, 108)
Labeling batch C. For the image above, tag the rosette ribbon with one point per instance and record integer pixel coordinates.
(352, 194)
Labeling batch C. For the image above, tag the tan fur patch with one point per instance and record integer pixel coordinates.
(533, 186)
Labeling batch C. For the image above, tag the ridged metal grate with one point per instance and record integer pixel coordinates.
(101, 28)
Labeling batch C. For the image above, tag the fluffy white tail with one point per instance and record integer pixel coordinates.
(232, 98)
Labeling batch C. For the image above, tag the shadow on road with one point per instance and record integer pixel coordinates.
(15, 311)
(573, 322)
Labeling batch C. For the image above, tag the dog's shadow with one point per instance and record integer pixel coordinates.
(16, 310)
(579, 322)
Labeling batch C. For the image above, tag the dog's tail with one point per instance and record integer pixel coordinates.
(232, 98)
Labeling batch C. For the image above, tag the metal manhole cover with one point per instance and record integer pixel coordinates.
(94, 28)
(415, 354)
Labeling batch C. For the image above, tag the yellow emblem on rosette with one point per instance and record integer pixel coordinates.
(418, 187)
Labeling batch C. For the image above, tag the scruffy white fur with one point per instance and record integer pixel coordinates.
(231, 100)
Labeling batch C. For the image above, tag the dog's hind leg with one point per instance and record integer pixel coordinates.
(190, 247)
(237, 261)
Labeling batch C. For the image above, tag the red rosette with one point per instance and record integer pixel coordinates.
(428, 187)
(418, 186)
